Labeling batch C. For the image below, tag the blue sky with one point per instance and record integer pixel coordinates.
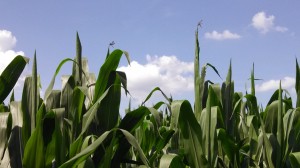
(159, 36)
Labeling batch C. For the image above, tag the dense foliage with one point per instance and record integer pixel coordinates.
(80, 125)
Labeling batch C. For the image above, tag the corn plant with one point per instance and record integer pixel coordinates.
(80, 125)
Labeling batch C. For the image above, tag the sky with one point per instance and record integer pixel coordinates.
(160, 38)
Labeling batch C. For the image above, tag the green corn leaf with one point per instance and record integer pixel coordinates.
(252, 81)
(92, 112)
(60, 137)
(53, 100)
(15, 145)
(12, 96)
(191, 134)
(49, 137)
(171, 161)
(34, 155)
(130, 123)
(227, 102)
(50, 87)
(3, 132)
(34, 93)
(26, 109)
(133, 119)
(295, 159)
(76, 111)
(110, 64)
(270, 117)
(198, 99)
(280, 134)
(77, 65)
(75, 147)
(297, 85)
(108, 112)
(123, 79)
(68, 85)
(214, 68)
(154, 90)
(208, 121)
(134, 143)
(88, 163)
(161, 143)
(10, 75)
(227, 143)
(268, 150)
(84, 154)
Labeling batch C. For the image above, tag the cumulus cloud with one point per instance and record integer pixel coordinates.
(225, 35)
(287, 83)
(7, 40)
(264, 23)
(172, 75)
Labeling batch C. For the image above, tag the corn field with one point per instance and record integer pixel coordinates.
(81, 126)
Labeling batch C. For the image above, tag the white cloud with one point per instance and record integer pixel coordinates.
(264, 23)
(226, 34)
(286, 83)
(7, 40)
(169, 73)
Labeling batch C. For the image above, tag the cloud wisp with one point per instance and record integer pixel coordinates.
(225, 35)
(172, 75)
(265, 23)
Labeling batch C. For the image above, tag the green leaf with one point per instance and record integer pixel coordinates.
(154, 90)
(171, 161)
(252, 81)
(191, 134)
(34, 153)
(15, 145)
(34, 93)
(53, 100)
(68, 85)
(60, 137)
(297, 85)
(108, 111)
(208, 121)
(49, 138)
(227, 143)
(131, 139)
(77, 65)
(84, 154)
(295, 159)
(280, 134)
(110, 64)
(133, 119)
(10, 75)
(76, 112)
(26, 109)
(3, 132)
(130, 123)
(198, 99)
(90, 115)
(50, 87)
